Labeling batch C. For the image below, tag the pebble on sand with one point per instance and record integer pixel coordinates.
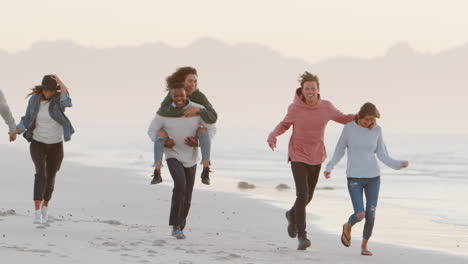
(245, 185)
(282, 186)
(327, 188)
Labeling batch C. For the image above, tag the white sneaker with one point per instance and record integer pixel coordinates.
(37, 217)
(45, 215)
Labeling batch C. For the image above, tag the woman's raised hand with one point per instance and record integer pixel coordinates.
(55, 77)
(62, 86)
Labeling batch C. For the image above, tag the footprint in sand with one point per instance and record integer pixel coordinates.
(159, 243)
(25, 249)
(112, 222)
(110, 244)
(131, 256)
(126, 249)
(313, 259)
(230, 256)
(134, 244)
(42, 226)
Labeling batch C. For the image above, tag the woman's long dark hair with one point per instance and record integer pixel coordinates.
(179, 76)
(34, 91)
(37, 90)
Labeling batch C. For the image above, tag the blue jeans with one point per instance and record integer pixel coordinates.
(356, 187)
(204, 142)
(184, 178)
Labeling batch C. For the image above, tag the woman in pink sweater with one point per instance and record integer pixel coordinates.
(308, 115)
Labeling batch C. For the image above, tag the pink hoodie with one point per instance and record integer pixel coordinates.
(309, 122)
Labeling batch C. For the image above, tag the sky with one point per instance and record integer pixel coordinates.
(306, 29)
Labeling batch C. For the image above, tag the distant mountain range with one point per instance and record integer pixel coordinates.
(250, 85)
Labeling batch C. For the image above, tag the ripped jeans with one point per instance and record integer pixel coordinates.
(370, 187)
(204, 142)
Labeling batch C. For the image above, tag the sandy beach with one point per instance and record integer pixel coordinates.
(104, 214)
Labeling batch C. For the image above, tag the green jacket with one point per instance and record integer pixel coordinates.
(208, 114)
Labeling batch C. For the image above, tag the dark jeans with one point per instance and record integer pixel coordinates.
(47, 159)
(305, 178)
(184, 178)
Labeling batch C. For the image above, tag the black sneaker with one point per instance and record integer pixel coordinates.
(303, 242)
(205, 175)
(156, 177)
(292, 228)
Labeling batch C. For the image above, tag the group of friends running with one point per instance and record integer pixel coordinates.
(185, 121)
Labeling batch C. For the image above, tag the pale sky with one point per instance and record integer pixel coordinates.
(306, 29)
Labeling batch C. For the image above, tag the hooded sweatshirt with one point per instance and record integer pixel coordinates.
(306, 144)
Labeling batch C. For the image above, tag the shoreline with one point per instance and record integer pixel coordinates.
(123, 218)
(321, 215)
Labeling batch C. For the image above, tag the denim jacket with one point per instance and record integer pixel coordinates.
(57, 106)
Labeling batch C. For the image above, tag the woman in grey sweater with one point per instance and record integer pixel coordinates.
(362, 171)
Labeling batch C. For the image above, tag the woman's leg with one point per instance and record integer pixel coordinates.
(205, 146)
(54, 162)
(37, 204)
(38, 156)
(355, 190)
(372, 195)
(161, 138)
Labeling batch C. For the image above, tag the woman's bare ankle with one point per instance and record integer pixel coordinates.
(206, 163)
(157, 165)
